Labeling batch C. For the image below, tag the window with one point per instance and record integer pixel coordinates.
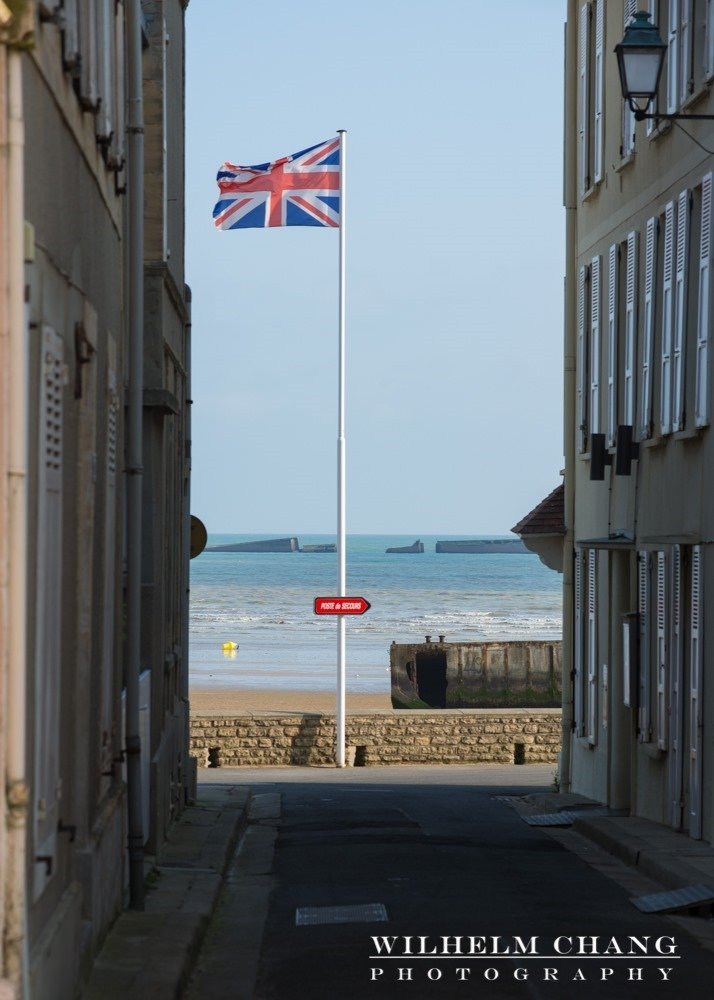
(667, 320)
(582, 360)
(681, 276)
(612, 341)
(586, 674)
(644, 722)
(701, 383)
(627, 145)
(595, 340)
(631, 270)
(695, 689)
(662, 652)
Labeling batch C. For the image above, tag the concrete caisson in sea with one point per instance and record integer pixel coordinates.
(268, 545)
(484, 545)
(417, 546)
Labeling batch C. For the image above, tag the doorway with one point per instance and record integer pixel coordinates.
(431, 678)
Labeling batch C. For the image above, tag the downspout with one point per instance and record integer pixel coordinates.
(134, 451)
(569, 375)
(187, 775)
(16, 946)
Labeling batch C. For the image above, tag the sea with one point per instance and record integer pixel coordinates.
(264, 603)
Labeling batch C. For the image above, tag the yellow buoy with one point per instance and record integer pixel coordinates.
(229, 645)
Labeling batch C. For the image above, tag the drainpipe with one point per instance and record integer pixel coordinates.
(570, 352)
(187, 777)
(134, 451)
(16, 948)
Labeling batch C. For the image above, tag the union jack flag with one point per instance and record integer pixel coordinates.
(298, 190)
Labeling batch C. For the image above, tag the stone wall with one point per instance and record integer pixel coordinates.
(398, 737)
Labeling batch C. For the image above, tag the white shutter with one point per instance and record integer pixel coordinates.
(48, 611)
(582, 360)
(695, 697)
(595, 352)
(648, 328)
(630, 329)
(673, 56)
(88, 76)
(612, 345)
(578, 646)
(70, 34)
(680, 312)
(584, 106)
(653, 7)
(592, 651)
(661, 624)
(643, 607)
(628, 118)
(701, 392)
(675, 692)
(667, 320)
(686, 81)
(117, 147)
(106, 53)
(109, 577)
(709, 40)
(599, 95)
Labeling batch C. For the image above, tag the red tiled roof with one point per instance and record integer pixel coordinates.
(548, 518)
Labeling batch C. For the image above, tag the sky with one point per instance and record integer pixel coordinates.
(455, 261)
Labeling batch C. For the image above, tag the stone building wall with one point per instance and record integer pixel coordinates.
(398, 737)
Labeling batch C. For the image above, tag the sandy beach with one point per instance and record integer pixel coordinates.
(239, 700)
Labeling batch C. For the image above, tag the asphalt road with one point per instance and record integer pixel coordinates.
(444, 857)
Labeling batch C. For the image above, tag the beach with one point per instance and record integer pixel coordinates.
(238, 701)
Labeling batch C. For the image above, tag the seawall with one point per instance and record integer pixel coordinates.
(473, 736)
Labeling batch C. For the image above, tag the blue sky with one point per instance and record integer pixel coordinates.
(455, 258)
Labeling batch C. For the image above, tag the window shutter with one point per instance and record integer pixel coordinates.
(709, 40)
(578, 649)
(686, 81)
(643, 607)
(648, 328)
(595, 345)
(695, 703)
(661, 652)
(701, 392)
(628, 118)
(48, 606)
(106, 53)
(653, 7)
(667, 320)
(88, 77)
(675, 692)
(680, 311)
(592, 647)
(583, 129)
(630, 329)
(117, 148)
(70, 34)
(599, 88)
(612, 345)
(109, 577)
(673, 56)
(582, 360)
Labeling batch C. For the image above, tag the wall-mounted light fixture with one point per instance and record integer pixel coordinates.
(640, 60)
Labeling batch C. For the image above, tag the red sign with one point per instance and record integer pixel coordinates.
(341, 605)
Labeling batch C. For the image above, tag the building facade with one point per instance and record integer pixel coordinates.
(69, 266)
(639, 482)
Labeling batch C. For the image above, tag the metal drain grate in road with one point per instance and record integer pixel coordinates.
(360, 913)
(676, 899)
(565, 818)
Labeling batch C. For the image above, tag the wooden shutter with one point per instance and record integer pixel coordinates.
(630, 329)
(709, 40)
(584, 106)
(88, 75)
(578, 646)
(117, 152)
(48, 609)
(653, 7)
(675, 692)
(672, 56)
(680, 312)
(595, 352)
(686, 75)
(648, 328)
(70, 34)
(592, 707)
(661, 625)
(612, 345)
(599, 103)
(695, 697)
(583, 380)
(701, 391)
(109, 550)
(667, 320)
(643, 607)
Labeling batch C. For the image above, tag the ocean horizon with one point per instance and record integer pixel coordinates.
(264, 602)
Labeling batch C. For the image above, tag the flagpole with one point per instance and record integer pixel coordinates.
(341, 468)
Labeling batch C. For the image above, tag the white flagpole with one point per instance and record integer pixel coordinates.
(341, 467)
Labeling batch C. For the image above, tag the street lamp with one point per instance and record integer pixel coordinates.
(640, 60)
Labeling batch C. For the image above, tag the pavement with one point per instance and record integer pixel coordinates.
(151, 954)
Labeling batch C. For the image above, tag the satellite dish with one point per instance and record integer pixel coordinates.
(199, 536)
